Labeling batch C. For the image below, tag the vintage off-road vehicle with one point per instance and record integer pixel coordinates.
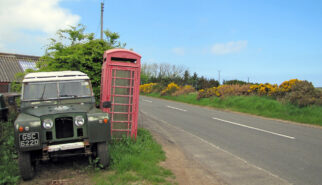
(58, 118)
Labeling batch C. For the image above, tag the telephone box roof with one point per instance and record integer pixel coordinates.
(112, 51)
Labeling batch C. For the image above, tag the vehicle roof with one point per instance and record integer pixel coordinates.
(55, 76)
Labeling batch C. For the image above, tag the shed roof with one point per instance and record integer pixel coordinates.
(11, 64)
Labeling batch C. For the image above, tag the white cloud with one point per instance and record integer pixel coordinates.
(25, 21)
(229, 47)
(178, 51)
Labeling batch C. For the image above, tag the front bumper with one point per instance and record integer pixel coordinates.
(66, 149)
(67, 146)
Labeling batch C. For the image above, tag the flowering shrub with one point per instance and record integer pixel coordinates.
(224, 90)
(206, 93)
(303, 93)
(233, 90)
(264, 89)
(170, 89)
(147, 88)
(273, 89)
(294, 91)
(184, 90)
(287, 85)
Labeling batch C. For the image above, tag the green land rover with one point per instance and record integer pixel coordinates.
(58, 118)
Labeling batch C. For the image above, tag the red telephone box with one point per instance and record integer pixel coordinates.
(120, 85)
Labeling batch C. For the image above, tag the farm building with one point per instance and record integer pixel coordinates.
(11, 64)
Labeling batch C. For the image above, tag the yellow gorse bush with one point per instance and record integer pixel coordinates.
(278, 91)
(171, 88)
(264, 89)
(287, 85)
(184, 90)
(187, 87)
(272, 89)
(233, 90)
(224, 90)
(147, 88)
(209, 92)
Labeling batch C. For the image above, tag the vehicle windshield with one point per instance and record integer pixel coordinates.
(56, 90)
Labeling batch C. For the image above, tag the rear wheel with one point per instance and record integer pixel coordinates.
(103, 154)
(26, 166)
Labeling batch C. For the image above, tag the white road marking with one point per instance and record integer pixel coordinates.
(148, 101)
(241, 125)
(176, 108)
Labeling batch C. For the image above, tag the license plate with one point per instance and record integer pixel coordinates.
(29, 139)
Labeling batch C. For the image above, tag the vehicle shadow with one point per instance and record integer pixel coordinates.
(67, 170)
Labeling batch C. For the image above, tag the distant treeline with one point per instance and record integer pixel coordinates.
(164, 74)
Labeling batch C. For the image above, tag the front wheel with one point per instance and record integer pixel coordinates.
(103, 154)
(26, 166)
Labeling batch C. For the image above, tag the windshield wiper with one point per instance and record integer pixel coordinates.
(43, 93)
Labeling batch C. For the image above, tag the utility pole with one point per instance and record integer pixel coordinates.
(219, 76)
(102, 10)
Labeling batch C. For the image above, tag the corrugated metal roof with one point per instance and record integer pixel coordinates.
(10, 66)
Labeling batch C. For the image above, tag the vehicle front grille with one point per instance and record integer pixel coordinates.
(64, 127)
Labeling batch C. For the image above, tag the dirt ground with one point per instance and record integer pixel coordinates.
(63, 172)
(73, 170)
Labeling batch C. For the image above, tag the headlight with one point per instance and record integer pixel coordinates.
(79, 121)
(47, 123)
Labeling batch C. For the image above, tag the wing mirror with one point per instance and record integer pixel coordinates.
(107, 104)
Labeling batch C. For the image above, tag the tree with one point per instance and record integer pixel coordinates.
(202, 83)
(162, 73)
(234, 82)
(194, 80)
(213, 83)
(186, 77)
(76, 50)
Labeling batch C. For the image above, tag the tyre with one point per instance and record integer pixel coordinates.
(103, 154)
(26, 166)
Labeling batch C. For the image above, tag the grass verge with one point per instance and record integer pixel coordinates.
(9, 172)
(262, 106)
(135, 162)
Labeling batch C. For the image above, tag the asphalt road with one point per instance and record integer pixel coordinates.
(241, 149)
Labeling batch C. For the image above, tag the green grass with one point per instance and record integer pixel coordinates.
(135, 162)
(262, 106)
(9, 172)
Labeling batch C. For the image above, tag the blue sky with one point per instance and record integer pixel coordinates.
(265, 41)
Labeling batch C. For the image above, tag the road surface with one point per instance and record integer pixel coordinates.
(239, 148)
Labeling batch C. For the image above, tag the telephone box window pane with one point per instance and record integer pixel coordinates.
(123, 74)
